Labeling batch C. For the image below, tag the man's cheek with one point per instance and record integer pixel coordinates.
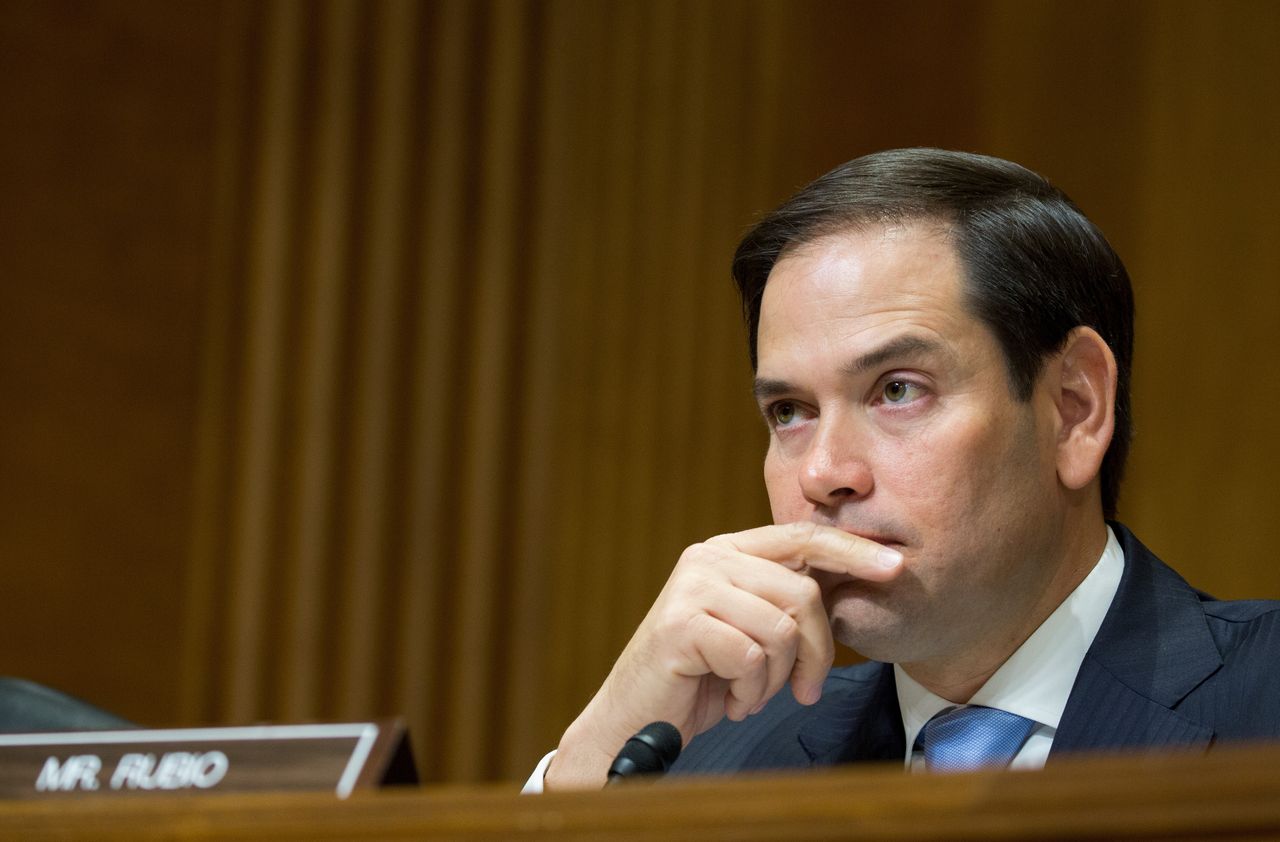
(785, 501)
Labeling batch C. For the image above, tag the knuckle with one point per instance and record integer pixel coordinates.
(701, 555)
(691, 555)
(801, 531)
(786, 630)
(675, 623)
(808, 591)
(697, 626)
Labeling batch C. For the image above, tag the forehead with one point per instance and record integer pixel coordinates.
(864, 286)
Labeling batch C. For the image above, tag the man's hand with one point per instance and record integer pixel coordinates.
(738, 619)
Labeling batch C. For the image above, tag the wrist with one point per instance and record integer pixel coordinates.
(581, 762)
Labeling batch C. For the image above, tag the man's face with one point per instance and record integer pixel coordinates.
(892, 417)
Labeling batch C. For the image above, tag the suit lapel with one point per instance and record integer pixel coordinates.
(857, 719)
(1153, 648)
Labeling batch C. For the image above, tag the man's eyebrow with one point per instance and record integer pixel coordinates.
(765, 388)
(903, 346)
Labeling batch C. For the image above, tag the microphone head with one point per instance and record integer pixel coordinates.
(652, 750)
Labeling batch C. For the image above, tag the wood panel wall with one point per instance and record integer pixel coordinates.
(439, 440)
(372, 358)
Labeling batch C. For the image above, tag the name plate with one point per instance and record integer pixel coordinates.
(339, 757)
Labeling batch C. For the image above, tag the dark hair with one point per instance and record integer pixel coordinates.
(1035, 267)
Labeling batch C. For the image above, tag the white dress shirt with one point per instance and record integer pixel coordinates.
(1035, 682)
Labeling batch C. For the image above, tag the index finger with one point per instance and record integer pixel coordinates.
(804, 544)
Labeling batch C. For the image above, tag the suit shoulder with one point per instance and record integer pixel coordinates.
(1247, 625)
(1242, 610)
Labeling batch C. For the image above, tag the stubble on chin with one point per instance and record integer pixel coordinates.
(867, 618)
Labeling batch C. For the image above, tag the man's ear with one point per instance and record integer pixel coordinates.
(1084, 392)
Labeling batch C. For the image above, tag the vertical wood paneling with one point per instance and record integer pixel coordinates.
(1091, 70)
(436, 375)
(208, 543)
(328, 223)
(525, 694)
(740, 185)
(768, 57)
(606, 402)
(1205, 265)
(257, 463)
(486, 490)
(699, 133)
(586, 37)
(681, 409)
(364, 561)
(647, 413)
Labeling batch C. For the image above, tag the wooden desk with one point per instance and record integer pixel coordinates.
(1230, 794)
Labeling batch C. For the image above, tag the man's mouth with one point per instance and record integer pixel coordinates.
(884, 540)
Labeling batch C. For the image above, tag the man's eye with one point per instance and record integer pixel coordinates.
(899, 391)
(783, 412)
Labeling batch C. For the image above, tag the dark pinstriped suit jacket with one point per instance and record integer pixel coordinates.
(1170, 667)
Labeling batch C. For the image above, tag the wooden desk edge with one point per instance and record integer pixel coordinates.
(1230, 793)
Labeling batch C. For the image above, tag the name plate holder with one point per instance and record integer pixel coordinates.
(261, 758)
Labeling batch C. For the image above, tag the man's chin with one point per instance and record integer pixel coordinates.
(862, 620)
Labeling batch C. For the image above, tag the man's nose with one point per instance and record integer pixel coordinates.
(835, 468)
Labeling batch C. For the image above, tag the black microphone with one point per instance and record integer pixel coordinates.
(651, 751)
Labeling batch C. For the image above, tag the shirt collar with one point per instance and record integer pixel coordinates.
(1036, 679)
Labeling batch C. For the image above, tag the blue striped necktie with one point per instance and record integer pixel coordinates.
(960, 739)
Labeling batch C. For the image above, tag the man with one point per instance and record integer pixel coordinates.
(942, 345)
